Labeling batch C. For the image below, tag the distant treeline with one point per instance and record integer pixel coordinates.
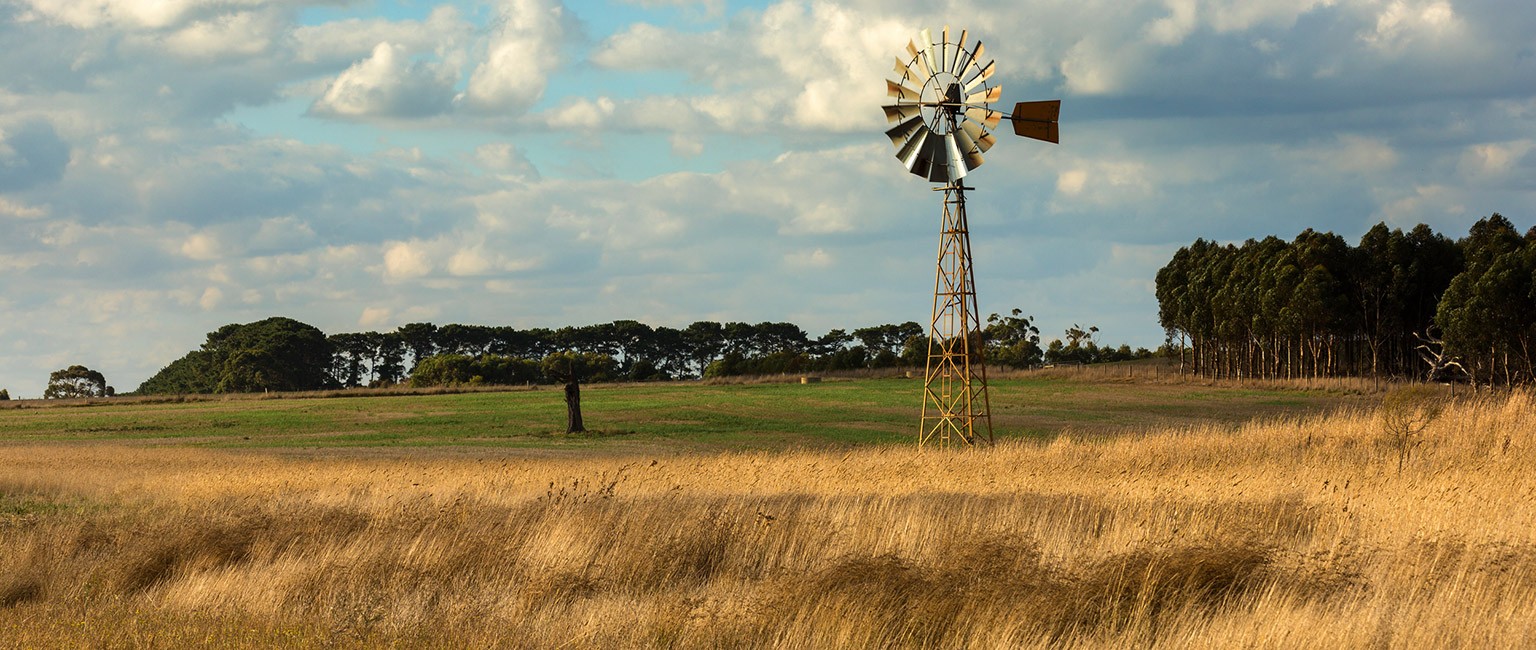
(1397, 305)
(284, 354)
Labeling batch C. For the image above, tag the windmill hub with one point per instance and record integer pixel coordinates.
(941, 98)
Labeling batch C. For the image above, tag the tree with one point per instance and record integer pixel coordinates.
(1485, 311)
(420, 339)
(352, 354)
(704, 341)
(570, 369)
(887, 345)
(468, 340)
(5, 395)
(277, 354)
(388, 358)
(192, 374)
(75, 382)
(443, 370)
(1013, 340)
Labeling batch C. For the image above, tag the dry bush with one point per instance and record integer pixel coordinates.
(1286, 534)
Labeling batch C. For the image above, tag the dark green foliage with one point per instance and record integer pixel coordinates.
(75, 382)
(1317, 307)
(442, 370)
(490, 369)
(191, 374)
(563, 367)
(276, 354)
(1013, 340)
(5, 395)
(1488, 314)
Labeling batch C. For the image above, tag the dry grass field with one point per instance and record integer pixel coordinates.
(1291, 532)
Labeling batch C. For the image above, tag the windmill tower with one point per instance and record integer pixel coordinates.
(944, 120)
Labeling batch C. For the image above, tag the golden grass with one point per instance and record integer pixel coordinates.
(1297, 533)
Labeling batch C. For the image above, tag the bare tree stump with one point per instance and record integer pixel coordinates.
(573, 422)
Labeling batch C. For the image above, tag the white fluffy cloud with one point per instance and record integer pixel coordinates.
(342, 42)
(525, 50)
(388, 84)
(239, 34)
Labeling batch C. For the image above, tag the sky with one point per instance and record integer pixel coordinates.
(171, 166)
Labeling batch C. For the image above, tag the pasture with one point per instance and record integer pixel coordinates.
(1111, 515)
(665, 417)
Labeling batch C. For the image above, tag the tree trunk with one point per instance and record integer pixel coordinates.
(573, 408)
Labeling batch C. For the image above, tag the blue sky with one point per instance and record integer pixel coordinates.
(171, 166)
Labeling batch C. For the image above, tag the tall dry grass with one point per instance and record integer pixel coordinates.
(1287, 534)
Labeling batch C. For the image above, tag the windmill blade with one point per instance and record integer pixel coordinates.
(923, 161)
(969, 151)
(954, 158)
(899, 112)
(986, 73)
(964, 60)
(917, 58)
(912, 149)
(978, 54)
(898, 90)
(908, 73)
(938, 171)
(966, 143)
(988, 96)
(983, 140)
(987, 117)
(904, 131)
(925, 40)
(944, 49)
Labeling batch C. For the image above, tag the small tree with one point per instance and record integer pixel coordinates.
(4, 395)
(1405, 413)
(75, 382)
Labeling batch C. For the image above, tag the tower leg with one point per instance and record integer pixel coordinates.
(956, 407)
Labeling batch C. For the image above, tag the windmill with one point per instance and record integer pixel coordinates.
(944, 121)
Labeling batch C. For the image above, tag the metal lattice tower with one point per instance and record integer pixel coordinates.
(943, 127)
(956, 407)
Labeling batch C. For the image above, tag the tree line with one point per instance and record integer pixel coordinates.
(1399, 304)
(283, 354)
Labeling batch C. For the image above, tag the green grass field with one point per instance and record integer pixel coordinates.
(686, 416)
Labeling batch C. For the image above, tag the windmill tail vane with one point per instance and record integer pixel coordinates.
(944, 120)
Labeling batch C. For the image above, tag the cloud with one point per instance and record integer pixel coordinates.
(525, 50)
(18, 210)
(387, 84)
(88, 14)
(342, 42)
(211, 298)
(202, 246)
(686, 146)
(506, 160)
(239, 34)
(405, 260)
(157, 159)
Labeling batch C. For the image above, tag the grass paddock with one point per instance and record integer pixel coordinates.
(1296, 529)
